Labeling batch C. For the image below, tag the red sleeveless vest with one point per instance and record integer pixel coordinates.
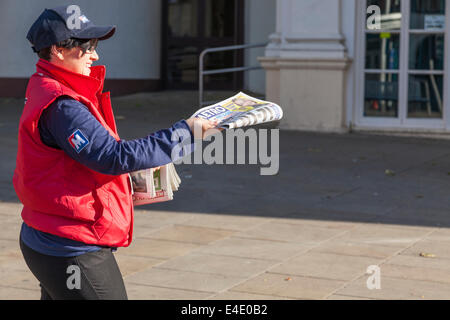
(60, 196)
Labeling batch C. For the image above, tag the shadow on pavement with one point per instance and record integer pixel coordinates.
(339, 177)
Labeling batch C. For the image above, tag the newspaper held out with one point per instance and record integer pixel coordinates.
(157, 185)
(241, 110)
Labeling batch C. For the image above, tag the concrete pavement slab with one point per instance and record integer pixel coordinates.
(438, 275)
(331, 196)
(147, 221)
(17, 278)
(10, 218)
(7, 245)
(194, 281)
(441, 249)
(227, 222)
(254, 248)
(290, 232)
(423, 262)
(398, 289)
(10, 208)
(220, 265)
(288, 286)
(13, 269)
(143, 292)
(341, 225)
(236, 295)
(439, 234)
(357, 249)
(326, 266)
(129, 264)
(157, 249)
(11, 229)
(12, 260)
(198, 235)
(11, 293)
(380, 234)
(342, 297)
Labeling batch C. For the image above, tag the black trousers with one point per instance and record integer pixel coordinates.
(90, 276)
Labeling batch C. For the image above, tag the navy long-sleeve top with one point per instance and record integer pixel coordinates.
(102, 152)
(95, 148)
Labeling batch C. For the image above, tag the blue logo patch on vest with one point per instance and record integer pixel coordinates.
(78, 141)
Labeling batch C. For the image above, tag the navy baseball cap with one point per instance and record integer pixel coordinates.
(62, 23)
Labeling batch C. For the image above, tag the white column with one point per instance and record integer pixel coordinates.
(305, 64)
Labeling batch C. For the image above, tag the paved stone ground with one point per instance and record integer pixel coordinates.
(309, 232)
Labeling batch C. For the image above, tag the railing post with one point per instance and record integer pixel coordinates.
(218, 49)
(200, 80)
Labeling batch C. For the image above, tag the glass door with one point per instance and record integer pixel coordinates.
(382, 62)
(404, 68)
(426, 38)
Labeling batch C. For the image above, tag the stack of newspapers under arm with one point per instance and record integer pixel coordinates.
(154, 185)
(240, 110)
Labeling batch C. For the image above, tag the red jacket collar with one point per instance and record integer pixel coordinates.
(87, 86)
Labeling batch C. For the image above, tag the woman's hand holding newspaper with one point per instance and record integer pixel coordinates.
(202, 127)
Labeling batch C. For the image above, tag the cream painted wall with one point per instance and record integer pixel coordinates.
(259, 24)
(348, 18)
(133, 52)
(306, 64)
(310, 17)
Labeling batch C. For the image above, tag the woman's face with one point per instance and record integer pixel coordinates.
(75, 61)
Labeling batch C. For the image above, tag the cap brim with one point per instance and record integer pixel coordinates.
(96, 32)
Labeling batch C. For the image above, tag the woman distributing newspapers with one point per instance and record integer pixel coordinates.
(71, 169)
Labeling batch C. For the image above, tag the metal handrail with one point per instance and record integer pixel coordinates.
(225, 70)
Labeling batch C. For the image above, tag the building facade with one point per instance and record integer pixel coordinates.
(333, 65)
(156, 45)
(339, 65)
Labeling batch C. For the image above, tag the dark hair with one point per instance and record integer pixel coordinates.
(84, 44)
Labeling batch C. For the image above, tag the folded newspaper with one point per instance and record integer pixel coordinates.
(241, 110)
(154, 185)
(157, 185)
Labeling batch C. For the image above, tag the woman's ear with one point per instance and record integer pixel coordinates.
(57, 53)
